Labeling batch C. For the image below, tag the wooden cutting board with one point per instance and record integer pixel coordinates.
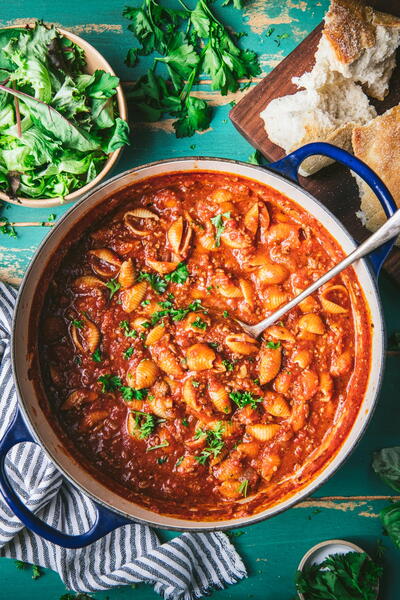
(333, 186)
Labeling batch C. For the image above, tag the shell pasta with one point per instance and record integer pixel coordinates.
(151, 379)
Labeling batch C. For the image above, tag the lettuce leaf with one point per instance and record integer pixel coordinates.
(57, 123)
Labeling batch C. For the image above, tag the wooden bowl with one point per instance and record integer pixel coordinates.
(94, 60)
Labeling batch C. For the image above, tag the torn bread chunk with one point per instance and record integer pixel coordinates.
(378, 145)
(360, 43)
(355, 57)
(328, 113)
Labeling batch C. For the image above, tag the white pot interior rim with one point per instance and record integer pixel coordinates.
(47, 437)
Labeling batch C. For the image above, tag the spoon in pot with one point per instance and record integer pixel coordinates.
(385, 233)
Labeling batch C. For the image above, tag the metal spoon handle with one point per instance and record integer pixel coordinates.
(385, 233)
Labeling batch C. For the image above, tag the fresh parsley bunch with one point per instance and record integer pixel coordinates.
(189, 42)
(351, 576)
(57, 123)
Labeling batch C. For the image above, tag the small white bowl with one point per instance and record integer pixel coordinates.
(318, 553)
(94, 60)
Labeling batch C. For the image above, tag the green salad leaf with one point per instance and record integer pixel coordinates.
(57, 123)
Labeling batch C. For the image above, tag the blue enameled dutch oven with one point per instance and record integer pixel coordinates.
(31, 423)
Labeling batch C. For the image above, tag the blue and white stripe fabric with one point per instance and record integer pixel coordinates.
(188, 567)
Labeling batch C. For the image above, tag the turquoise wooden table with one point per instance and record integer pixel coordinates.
(348, 505)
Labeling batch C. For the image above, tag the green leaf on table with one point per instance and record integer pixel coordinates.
(194, 116)
(386, 463)
(180, 60)
(390, 517)
(238, 4)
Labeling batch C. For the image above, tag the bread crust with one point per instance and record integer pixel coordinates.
(378, 144)
(350, 28)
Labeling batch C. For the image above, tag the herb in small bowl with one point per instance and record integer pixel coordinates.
(344, 576)
(62, 116)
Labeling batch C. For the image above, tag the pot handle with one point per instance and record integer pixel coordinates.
(290, 164)
(106, 520)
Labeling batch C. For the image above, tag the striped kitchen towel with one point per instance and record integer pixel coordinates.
(188, 567)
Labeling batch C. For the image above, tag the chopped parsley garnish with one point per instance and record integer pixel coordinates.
(179, 461)
(273, 345)
(109, 383)
(243, 487)
(158, 284)
(163, 445)
(225, 314)
(218, 222)
(129, 393)
(214, 345)
(229, 366)
(215, 443)
(180, 274)
(242, 399)
(199, 323)
(36, 572)
(269, 31)
(195, 383)
(125, 326)
(128, 352)
(176, 314)
(282, 36)
(185, 422)
(51, 217)
(145, 302)
(113, 285)
(162, 459)
(147, 424)
(96, 356)
(78, 324)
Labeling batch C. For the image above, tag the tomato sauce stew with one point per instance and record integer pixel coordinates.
(156, 388)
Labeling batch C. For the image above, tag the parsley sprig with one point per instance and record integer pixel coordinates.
(146, 423)
(218, 222)
(126, 328)
(190, 42)
(113, 286)
(160, 284)
(215, 442)
(113, 383)
(242, 399)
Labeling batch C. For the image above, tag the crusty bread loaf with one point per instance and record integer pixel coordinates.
(361, 44)
(378, 145)
(327, 110)
(356, 54)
